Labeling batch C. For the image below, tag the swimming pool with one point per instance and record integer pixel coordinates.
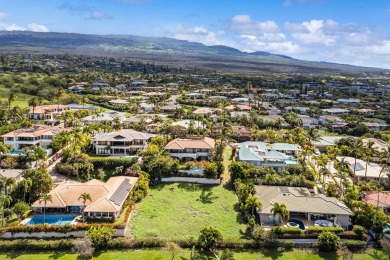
(16, 152)
(297, 221)
(58, 220)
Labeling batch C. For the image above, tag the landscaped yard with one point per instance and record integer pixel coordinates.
(162, 255)
(180, 211)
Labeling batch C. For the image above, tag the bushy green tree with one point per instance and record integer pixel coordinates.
(209, 237)
(100, 236)
(328, 242)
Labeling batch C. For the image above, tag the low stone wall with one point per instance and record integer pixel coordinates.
(78, 234)
(191, 180)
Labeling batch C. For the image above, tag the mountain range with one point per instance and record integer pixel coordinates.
(163, 50)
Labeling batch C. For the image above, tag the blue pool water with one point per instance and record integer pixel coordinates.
(196, 169)
(291, 161)
(297, 221)
(51, 220)
(16, 152)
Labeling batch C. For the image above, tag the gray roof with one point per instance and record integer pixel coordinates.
(299, 199)
(123, 135)
(327, 140)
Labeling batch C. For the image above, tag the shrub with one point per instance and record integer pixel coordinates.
(318, 230)
(211, 171)
(328, 242)
(10, 162)
(111, 163)
(258, 233)
(286, 230)
(385, 245)
(288, 245)
(359, 231)
(355, 245)
(209, 237)
(100, 236)
(26, 214)
(84, 248)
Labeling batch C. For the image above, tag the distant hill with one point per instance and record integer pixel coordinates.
(166, 51)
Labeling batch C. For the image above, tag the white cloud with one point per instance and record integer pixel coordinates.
(37, 27)
(99, 16)
(243, 24)
(197, 34)
(11, 27)
(252, 43)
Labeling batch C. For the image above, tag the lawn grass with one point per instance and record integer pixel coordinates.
(162, 255)
(181, 210)
(21, 98)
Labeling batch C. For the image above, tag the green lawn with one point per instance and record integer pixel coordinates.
(160, 254)
(21, 99)
(180, 211)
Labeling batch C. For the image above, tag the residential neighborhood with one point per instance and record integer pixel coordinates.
(162, 158)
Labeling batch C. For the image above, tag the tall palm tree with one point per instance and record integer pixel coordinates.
(225, 255)
(5, 201)
(12, 98)
(357, 150)
(84, 100)
(60, 92)
(7, 183)
(252, 202)
(368, 153)
(39, 154)
(85, 196)
(280, 209)
(33, 102)
(26, 185)
(45, 197)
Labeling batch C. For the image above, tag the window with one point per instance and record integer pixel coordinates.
(103, 151)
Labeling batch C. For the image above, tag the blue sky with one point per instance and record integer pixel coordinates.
(343, 31)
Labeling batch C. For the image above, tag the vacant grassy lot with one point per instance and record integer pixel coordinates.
(180, 211)
(162, 255)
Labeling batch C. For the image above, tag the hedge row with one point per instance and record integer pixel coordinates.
(311, 232)
(111, 163)
(59, 229)
(126, 243)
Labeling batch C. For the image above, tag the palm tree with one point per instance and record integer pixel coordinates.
(5, 201)
(7, 183)
(357, 150)
(33, 102)
(12, 98)
(60, 92)
(226, 255)
(45, 197)
(85, 196)
(39, 154)
(252, 202)
(369, 152)
(84, 100)
(26, 185)
(280, 209)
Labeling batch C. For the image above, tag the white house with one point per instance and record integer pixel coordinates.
(191, 148)
(124, 142)
(37, 135)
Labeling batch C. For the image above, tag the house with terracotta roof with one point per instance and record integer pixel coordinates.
(377, 199)
(238, 108)
(241, 133)
(191, 148)
(37, 135)
(106, 198)
(47, 113)
(123, 142)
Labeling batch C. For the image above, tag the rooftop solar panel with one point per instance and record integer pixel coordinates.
(121, 193)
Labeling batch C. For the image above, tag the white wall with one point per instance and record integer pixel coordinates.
(191, 180)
